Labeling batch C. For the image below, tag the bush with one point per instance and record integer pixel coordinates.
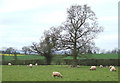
(97, 62)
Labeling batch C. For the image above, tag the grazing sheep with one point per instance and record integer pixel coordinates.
(112, 68)
(101, 66)
(58, 74)
(36, 64)
(30, 65)
(93, 68)
(9, 64)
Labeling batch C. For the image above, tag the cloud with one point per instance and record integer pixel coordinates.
(107, 41)
(54, 18)
(109, 18)
(110, 37)
(22, 5)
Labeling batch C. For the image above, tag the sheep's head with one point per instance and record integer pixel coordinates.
(110, 67)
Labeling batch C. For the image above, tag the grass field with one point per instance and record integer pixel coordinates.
(25, 57)
(44, 73)
(95, 56)
(86, 56)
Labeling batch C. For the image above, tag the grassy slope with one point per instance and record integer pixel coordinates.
(44, 73)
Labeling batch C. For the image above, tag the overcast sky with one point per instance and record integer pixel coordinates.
(24, 21)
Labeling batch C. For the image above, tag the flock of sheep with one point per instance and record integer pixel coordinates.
(58, 74)
(112, 68)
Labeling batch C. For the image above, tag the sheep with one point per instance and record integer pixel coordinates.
(112, 68)
(101, 66)
(58, 74)
(9, 64)
(36, 64)
(93, 68)
(30, 65)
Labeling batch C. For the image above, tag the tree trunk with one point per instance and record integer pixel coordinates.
(25, 52)
(75, 52)
(74, 61)
(48, 60)
(15, 56)
(3, 59)
(74, 58)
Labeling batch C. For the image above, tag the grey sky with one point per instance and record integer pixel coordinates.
(24, 21)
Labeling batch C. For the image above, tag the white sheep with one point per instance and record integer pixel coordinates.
(30, 65)
(93, 68)
(58, 74)
(101, 66)
(36, 64)
(9, 64)
(112, 68)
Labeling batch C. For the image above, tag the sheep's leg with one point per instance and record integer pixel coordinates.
(54, 76)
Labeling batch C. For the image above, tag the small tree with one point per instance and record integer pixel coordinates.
(15, 55)
(48, 44)
(3, 57)
(9, 50)
(25, 49)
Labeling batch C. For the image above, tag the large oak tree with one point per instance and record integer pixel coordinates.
(80, 29)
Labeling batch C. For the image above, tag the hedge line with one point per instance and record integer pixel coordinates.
(96, 62)
(86, 62)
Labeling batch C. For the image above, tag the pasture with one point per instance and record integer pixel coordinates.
(85, 56)
(44, 73)
(23, 57)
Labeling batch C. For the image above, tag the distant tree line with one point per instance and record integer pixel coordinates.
(115, 51)
(10, 50)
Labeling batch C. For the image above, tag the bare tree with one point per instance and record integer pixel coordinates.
(48, 44)
(35, 47)
(96, 50)
(115, 51)
(29, 50)
(15, 54)
(25, 49)
(9, 50)
(80, 29)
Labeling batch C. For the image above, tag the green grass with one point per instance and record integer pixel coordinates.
(86, 56)
(44, 73)
(102, 56)
(26, 57)
(95, 56)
